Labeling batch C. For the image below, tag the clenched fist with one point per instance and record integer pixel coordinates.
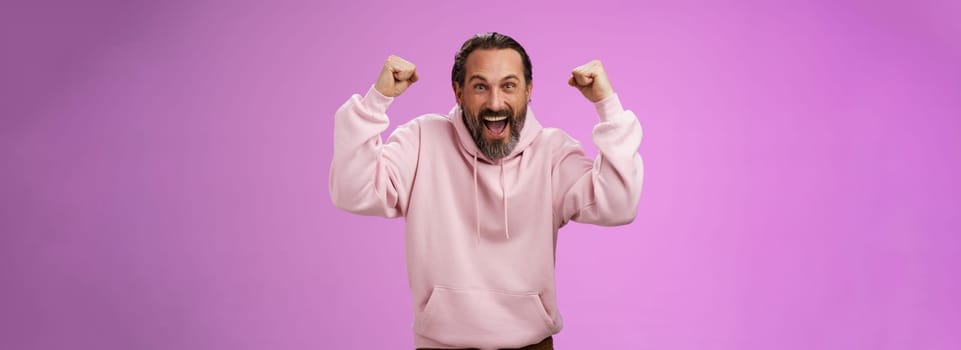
(592, 81)
(396, 76)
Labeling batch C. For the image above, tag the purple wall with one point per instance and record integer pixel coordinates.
(164, 172)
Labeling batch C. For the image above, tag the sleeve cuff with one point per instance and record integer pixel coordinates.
(608, 108)
(376, 101)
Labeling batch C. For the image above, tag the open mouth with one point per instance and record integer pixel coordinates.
(495, 125)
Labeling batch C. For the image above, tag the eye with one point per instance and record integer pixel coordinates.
(480, 87)
(509, 86)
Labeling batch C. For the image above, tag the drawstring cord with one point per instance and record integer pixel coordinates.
(476, 202)
(507, 231)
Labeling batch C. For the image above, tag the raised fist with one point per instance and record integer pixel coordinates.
(396, 76)
(592, 81)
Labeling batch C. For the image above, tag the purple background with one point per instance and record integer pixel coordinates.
(164, 172)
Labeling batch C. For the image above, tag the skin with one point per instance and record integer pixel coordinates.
(494, 85)
(591, 80)
(395, 76)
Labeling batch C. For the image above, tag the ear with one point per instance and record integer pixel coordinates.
(530, 89)
(458, 91)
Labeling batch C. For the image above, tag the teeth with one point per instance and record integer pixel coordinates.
(494, 119)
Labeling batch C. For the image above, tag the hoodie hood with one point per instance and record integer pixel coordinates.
(469, 149)
(530, 131)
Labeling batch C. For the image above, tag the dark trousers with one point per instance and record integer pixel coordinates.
(546, 344)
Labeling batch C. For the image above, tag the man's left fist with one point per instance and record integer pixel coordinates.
(592, 81)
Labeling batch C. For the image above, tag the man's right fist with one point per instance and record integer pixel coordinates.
(396, 76)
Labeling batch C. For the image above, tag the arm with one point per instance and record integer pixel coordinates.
(604, 191)
(368, 176)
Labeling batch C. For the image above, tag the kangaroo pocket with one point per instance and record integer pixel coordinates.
(484, 318)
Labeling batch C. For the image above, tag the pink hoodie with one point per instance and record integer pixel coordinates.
(481, 234)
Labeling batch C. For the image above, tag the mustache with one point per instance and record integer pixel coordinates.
(506, 112)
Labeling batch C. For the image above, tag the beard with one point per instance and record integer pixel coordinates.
(495, 149)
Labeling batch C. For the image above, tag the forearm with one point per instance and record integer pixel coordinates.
(606, 191)
(358, 174)
(618, 171)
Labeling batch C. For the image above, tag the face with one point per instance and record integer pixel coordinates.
(494, 99)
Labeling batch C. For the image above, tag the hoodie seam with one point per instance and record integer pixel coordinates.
(413, 175)
(492, 290)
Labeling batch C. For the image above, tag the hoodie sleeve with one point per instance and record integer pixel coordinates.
(604, 191)
(368, 176)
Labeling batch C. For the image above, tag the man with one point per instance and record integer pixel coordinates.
(484, 191)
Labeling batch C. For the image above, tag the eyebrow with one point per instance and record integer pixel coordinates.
(477, 76)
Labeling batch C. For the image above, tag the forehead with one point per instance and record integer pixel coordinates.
(494, 64)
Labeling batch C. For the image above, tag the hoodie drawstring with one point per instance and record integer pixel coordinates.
(507, 231)
(476, 201)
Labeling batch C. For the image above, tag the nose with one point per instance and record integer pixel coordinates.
(497, 100)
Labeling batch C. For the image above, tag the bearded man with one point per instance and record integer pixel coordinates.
(484, 190)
